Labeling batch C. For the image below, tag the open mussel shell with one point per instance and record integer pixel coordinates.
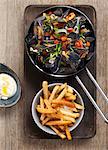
(73, 36)
(58, 12)
(70, 64)
(65, 13)
(53, 67)
(82, 20)
(71, 23)
(31, 40)
(74, 58)
(90, 39)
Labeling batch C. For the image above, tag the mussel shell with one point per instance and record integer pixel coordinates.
(39, 20)
(58, 12)
(65, 13)
(82, 20)
(70, 63)
(74, 58)
(30, 39)
(90, 39)
(61, 20)
(71, 23)
(73, 36)
(53, 67)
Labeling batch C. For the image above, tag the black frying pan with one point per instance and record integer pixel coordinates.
(82, 64)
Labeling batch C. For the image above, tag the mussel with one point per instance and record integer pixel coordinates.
(65, 13)
(90, 39)
(71, 23)
(53, 66)
(74, 59)
(39, 20)
(58, 12)
(31, 40)
(73, 36)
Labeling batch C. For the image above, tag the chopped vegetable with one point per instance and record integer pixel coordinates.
(64, 38)
(88, 44)
(70, 30)
(70, 16)
(79, 44)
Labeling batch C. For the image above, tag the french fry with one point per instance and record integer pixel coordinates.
(45, 110)
(55, 105)
(69, 137)
(68, 94)
(69, 119)
(42, 117)
(70, 90)
(45, 121)
(65, 103)
(48, 104)
(45, 89)
(55, 116)
(58, 122)
(49, 93)
(62, 117)
(41, 102)
(58, 132)
(69, 113)
(78, 106)
(72, 97)
(62, 94)
(74, 110)
(42, 106)
(62, 87)
(61, 128)
(53, 93)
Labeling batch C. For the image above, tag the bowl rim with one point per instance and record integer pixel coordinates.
(45, 128)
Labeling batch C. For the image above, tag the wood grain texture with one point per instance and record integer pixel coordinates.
(11, 53)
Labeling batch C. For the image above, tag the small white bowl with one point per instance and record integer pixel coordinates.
(36, 117)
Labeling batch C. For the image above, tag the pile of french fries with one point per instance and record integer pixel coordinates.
(58, 109)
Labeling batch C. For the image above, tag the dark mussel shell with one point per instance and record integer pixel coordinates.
(73, 36)
(71, 23)
(71, 63)
(58, 12)
(90, 39)
(82, 20)
(65, 13)
(31, 40)
(74, 59)
(39, 20)
(53, 67)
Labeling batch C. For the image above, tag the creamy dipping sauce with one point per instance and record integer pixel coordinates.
(8, 86)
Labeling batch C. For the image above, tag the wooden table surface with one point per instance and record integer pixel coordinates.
(12, 54)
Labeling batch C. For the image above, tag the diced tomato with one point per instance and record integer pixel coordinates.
(79, 44)
(47, 34)
(63, 38)
(88, 44)
(70, 30)
(52, 37)
(50, 12)
(56, 42)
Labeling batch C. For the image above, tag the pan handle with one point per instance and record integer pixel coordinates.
(91, 99)
(97, 85)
